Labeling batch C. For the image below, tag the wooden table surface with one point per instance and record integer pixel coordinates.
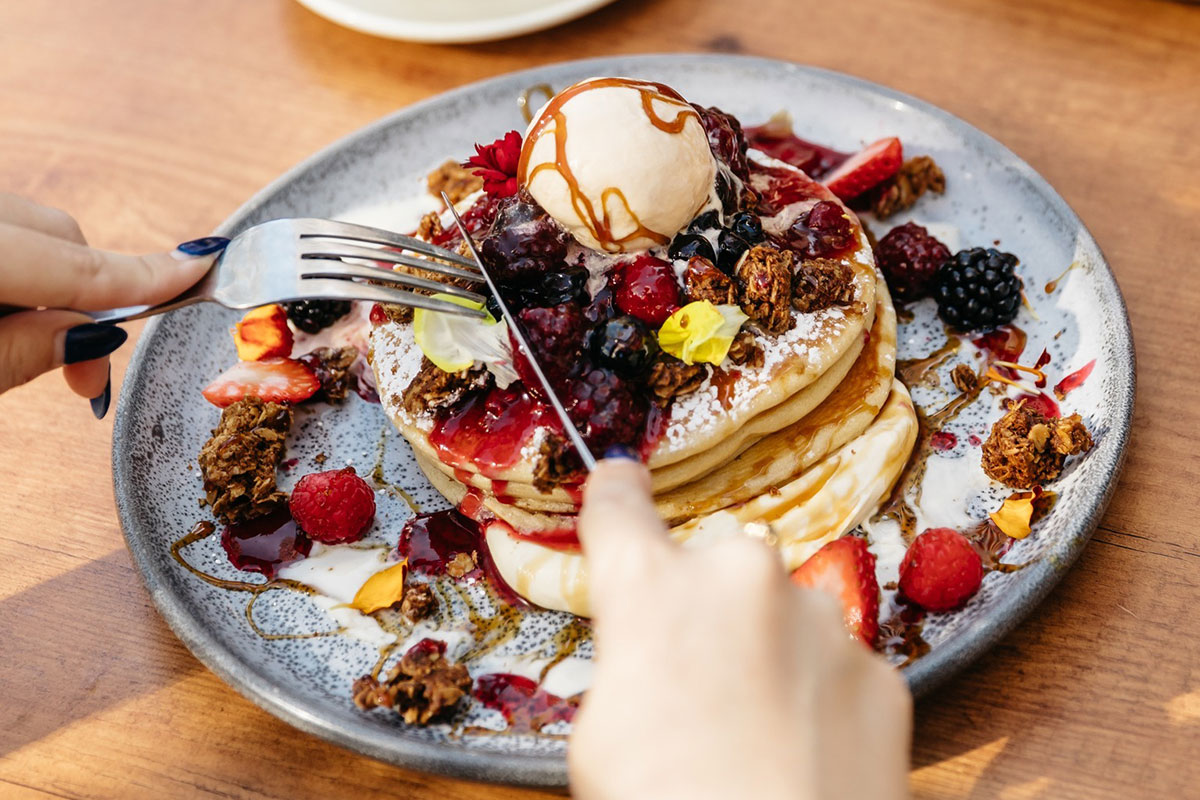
(152, 121)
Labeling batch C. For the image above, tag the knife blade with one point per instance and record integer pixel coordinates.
(585, 454)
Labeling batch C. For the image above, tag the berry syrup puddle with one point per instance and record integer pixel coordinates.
(530, 666)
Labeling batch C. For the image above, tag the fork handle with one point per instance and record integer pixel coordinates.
(112, 316)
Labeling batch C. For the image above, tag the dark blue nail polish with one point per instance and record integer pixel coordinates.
(621, 451)
(90, 340)
(203, 247)
(101, 401)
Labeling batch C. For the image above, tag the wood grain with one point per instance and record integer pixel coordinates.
(151, 122)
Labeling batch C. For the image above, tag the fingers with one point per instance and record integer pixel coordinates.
(41, 270)
(32, 342)
(618, 524)
(22, 213)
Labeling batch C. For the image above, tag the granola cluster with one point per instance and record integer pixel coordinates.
(556, 464)
(332, 367)
(669, 377)
(820, 283)
(703, 281)
(1027, 449)
(238, 462)
(423, 687)
(434, 388)
(900, 192)
(453, 179)
(764, 278)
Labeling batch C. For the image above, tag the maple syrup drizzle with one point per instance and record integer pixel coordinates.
(1052, 286)
(600, 224)
(200, 532)
(381, 482)
(917, 371)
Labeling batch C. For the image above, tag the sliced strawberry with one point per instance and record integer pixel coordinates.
(866, 169)
(276, 380)
(846, 569)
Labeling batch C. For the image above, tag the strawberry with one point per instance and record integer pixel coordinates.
(275, 380)
(846, 569)
(866, 169)
(941, 570)
(333, 507)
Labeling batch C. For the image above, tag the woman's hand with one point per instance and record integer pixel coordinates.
(716, 677)
(45, 263)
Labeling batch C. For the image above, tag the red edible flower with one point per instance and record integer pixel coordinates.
(497, 163)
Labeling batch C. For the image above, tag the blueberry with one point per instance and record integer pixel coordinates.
(730, 247)
(707, 221)
(686, 245)
(747, 225)
(555, 288)
(625, 345)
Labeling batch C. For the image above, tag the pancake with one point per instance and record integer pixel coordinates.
(824, 502)
(749, 462)
(699, 421)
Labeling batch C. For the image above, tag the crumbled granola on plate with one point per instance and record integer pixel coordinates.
(964, 378)
(238, 462)
(1027, 449)
(917, 176)
(421, 688)
(453, 179)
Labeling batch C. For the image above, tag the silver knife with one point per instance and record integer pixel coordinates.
(585, 454)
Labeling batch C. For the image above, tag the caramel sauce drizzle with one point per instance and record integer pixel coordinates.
(554, 121)
(200, 532)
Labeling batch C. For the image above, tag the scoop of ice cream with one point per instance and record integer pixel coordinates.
(622, 164)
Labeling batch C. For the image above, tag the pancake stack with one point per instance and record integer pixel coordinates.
(798, 450)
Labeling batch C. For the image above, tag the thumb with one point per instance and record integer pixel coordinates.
(618, 525)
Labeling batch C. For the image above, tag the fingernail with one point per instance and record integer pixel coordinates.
(100, 402)
(91, 340)
(201, 247)
(621, 451)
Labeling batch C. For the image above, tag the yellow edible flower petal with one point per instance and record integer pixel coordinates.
(701, 332)
(1014, 515)
(452, 342)
(382, 589)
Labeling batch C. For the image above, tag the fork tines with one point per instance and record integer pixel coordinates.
(340, 260)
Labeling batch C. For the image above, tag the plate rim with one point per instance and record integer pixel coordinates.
(294, 706)
(390, 27)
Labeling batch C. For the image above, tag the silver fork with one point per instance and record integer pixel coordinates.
(286, 260)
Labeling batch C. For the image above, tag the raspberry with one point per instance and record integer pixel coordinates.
(647, 289)
(909, 257)
(941, 570)
(524, 242)
(556, 335)
(333, 507)
(978, 288)
(605, 409)
(822, 232)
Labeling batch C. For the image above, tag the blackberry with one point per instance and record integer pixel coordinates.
(606, 409)
(311, 316)
(625, 345)
(556, 335)
(909, 257)
(977, 288)
(686, 245)
(524, 243)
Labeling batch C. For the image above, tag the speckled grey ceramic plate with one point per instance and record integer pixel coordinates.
(162, 418)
